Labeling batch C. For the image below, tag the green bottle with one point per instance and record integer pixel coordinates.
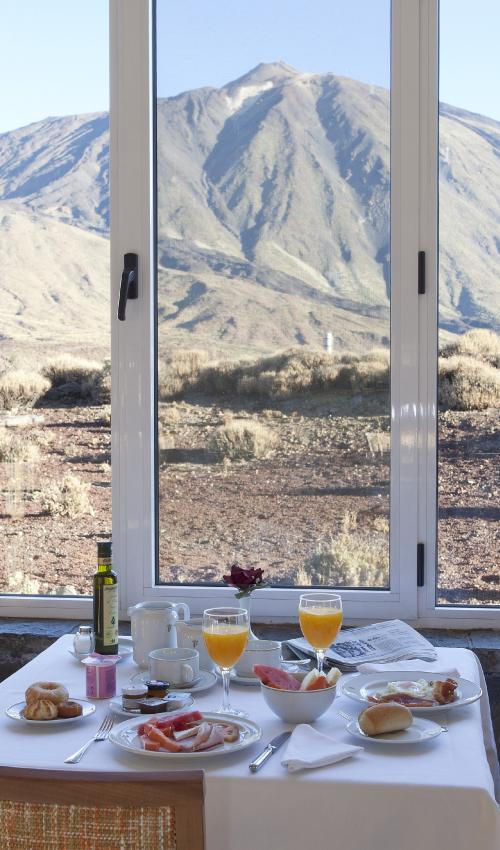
(105, 602)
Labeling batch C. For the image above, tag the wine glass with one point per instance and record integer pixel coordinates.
(225, 632)
(320, 617)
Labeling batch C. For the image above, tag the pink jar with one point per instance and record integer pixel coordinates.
(100, 676)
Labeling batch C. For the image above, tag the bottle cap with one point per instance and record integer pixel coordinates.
(104, 549)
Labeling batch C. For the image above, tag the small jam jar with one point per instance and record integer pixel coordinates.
(100, 676)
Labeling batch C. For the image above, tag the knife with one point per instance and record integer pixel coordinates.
(271, 748)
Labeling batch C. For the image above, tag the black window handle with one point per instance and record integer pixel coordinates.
(129, 287)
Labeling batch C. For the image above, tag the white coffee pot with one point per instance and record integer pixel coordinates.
(153, 626)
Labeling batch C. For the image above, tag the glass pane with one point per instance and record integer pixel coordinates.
(469, 305)
(273, 189)
(55, 481)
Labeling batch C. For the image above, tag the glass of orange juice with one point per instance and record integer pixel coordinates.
(320, 618)
(225, 632)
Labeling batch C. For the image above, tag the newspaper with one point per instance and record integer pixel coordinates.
(392, 640)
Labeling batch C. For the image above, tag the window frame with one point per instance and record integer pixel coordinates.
(414, 337)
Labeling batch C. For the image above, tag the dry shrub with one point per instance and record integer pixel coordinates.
(83, 378)
(468, 384)
(242, 440)
(66, 368)
(20, 388)
(69, 497)
(350, 559)
(180, 372)
(291, 373)
(15, 449)
(98, 386)
(481, 344)
(106, 416)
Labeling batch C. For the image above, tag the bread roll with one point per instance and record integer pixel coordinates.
(42, 709)
(386, 717)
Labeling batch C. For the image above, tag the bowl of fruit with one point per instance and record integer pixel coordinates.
(299, 698)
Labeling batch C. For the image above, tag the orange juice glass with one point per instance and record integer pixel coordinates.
(320, 618)
(225, 632)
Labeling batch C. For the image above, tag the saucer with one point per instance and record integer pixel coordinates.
(202, 682)
(241, 680)
(177, 702)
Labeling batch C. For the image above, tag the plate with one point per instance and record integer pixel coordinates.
(180, 704)
(203, 682)
(14, 712)
(421, 730)
(240, 680)
(125, 736)
(124, 650)
(363, 685)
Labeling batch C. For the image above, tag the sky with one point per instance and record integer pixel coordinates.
(54, 56)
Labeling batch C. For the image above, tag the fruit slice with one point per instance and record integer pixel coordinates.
(308, 680)
(319, 684)
(276, 678)
(333, 676)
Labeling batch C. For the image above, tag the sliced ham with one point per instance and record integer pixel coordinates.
(163, 740)
(202, 735)
(215, 738)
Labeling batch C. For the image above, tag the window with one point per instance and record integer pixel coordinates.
(273, 292)
(55, 439)
(275, 392)
(469, 313)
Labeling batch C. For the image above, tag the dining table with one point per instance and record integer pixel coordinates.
(437, 795)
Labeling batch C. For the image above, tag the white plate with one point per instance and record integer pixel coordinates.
(421, 730)
(206, 680)
(125, 736)
(117, 708)
(14, 711)
(124, 650)
(363, 685)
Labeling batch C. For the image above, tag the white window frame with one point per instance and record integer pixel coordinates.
(414, 184)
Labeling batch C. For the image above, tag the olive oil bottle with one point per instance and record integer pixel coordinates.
(105, 602)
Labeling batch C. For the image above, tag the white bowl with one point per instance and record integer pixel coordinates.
(298, 706)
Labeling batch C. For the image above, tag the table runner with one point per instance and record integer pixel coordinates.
(438, 795)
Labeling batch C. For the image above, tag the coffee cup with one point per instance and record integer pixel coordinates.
(258, 652)
(189, 636)
(178, 666)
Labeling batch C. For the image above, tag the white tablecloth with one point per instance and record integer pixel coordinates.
(435, 796)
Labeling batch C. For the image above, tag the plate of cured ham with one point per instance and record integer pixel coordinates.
(186, 736)
(420, 691)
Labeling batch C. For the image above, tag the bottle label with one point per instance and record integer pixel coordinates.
(110, 614)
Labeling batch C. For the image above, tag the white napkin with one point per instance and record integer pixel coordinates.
(309, 748)
(397, 666)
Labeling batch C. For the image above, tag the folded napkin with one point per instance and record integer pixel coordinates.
(407, 666)
(309, 748)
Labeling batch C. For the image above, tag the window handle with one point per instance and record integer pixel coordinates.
(129, 287)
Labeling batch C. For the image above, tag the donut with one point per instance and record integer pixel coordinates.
(52, 691)
(69, 708)
(41, 709)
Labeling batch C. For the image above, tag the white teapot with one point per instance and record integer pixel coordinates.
(153, 626)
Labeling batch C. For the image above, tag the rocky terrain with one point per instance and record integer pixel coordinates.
(324, 487)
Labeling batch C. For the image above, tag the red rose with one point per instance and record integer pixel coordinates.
(244, 580)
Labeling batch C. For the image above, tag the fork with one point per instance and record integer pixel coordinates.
(101, 735)
(345, 715)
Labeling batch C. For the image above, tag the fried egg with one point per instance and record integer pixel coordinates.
(420, 689)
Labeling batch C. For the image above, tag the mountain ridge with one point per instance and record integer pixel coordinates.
(273, 195)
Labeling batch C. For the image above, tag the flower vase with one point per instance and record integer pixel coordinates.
(246, 602)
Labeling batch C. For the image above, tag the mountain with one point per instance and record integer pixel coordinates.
(273, 213)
